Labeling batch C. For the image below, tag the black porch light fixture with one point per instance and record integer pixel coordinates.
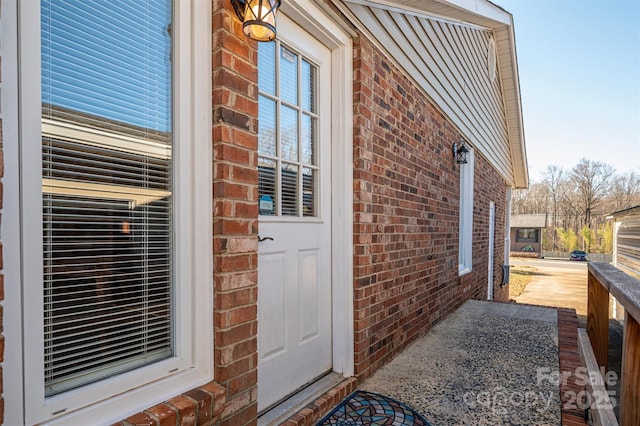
(460, 152)
(258, 18)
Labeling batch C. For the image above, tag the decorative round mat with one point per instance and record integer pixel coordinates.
(368, 408)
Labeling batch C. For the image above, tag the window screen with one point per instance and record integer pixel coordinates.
(106, 188)
(287, 132)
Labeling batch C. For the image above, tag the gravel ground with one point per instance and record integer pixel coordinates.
(486, 364)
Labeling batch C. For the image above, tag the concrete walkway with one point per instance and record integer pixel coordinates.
(486, 364)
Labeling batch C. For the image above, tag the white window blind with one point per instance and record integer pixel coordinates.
(106, 188)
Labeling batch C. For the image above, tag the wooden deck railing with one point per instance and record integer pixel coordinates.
(605, 279)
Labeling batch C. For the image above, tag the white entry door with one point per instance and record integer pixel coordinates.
(294, 263)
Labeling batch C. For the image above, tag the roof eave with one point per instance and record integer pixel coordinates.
(484, 14)
(508, 61)
(625, 212)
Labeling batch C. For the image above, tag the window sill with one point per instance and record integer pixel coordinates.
(464, 270)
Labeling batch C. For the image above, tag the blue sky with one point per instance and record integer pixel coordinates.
(579, 64)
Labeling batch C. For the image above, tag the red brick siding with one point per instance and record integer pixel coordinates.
(406, 212)
(569, 361)
(489, 186)
(235, 217)
(200, 406)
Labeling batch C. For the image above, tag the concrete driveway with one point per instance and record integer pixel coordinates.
(559, 283)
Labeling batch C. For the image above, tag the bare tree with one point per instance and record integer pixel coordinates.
(519, 201)
(578, 200)
(592, 182)
(626, 191)
(530, 201)
(553, 179)
(570, 211)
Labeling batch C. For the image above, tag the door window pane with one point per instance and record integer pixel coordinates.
(308, 192)
(287, 133)
(267, 64)
(308, 139)
(308, 89)
(266, 126)
(288, 75)
(289, 179)
(267, 186)
(289, 129)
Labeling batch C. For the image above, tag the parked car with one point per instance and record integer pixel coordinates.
(578, 255)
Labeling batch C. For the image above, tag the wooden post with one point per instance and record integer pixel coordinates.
(630, 386)
(598, 320)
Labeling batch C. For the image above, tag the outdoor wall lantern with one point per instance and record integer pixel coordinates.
(258, 18)
(460, 153)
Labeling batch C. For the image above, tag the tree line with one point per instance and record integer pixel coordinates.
(577, 202)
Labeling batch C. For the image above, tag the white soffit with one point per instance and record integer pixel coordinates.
(478, 13)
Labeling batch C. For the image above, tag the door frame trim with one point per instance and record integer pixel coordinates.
(322, 23)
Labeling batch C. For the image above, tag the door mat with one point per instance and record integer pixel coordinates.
(368, 408)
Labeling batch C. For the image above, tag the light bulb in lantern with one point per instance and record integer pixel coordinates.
(260, 19)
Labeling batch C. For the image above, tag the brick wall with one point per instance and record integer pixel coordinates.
(406, 210)
(235, 221)
(489, 186)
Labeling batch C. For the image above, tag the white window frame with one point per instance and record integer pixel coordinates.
(117, 397)
(465, 246)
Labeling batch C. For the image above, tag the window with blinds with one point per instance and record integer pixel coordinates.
(287, 132)
(106, 188)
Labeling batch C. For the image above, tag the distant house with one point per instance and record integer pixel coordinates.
(626, 240)
(527, 231)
